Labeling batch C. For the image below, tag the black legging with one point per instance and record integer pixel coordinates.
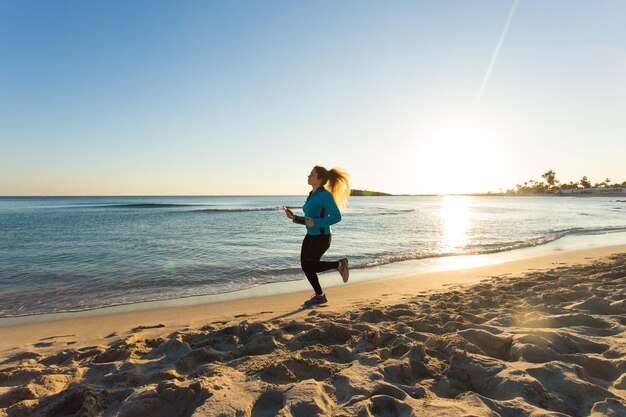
(313, 247)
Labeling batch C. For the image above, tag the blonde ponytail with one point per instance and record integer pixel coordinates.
(337, 181)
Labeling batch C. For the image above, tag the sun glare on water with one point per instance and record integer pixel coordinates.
(455, 214)
(456, 220)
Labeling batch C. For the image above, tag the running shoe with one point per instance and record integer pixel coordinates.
(316, 299)
(343, 269)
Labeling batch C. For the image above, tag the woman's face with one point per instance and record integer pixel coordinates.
(314, 181)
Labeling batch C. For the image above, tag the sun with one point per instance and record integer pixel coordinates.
(460, 155)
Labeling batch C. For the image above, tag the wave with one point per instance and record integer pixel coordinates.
(395, 212)
(489, 248)
(280, 208)
(382, 212)
(239, 210)
(144, 205)
(540, 240)
(211, 210)
(98, 303)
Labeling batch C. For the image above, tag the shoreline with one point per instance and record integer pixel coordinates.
(393, 270)
(99, 326)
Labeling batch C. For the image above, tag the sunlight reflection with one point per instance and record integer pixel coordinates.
(466, 262)
(456, 218)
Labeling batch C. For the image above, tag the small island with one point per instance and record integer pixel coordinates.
(367, 193)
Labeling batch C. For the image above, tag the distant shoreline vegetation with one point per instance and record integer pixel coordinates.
(550, 185)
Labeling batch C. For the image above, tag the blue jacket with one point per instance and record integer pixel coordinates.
(321, 207)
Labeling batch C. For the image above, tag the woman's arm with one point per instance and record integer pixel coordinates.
(333, 214)
(293, 217)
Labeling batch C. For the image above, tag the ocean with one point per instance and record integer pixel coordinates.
(61, 254)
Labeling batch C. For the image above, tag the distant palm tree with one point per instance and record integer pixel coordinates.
(550, 178)
(584, 182)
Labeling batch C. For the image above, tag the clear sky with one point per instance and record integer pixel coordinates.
(245, 97)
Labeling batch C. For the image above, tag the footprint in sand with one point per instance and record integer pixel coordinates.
(23, 356)
(140, 328)
(384, 405)
(268, 404)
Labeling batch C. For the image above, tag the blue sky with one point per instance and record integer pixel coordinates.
(233, 97)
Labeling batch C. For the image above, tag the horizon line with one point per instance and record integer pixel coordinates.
(247, 195)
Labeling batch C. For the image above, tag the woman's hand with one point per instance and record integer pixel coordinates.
(309, 221)
(290, 214)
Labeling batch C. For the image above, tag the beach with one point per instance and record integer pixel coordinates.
(542, 336)
(176, 175)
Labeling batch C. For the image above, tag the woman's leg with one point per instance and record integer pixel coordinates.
(313, 247)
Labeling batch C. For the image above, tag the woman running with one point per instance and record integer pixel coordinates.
(330, 190)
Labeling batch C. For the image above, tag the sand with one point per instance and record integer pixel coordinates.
(539, 337)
